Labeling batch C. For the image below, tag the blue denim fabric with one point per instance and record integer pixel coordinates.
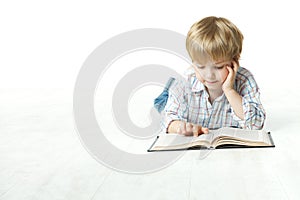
(161, 101)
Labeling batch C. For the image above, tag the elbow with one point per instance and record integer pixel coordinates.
(256, 121)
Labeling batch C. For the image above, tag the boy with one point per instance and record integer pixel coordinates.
(217, 91)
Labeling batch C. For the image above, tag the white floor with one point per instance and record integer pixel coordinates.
(41, 157)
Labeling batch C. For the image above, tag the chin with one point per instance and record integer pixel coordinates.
(213, 87)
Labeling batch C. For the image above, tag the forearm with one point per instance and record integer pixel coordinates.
(235, 101)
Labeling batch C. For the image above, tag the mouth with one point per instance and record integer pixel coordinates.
(211, 82)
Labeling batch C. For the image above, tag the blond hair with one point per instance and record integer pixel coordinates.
(216, 37)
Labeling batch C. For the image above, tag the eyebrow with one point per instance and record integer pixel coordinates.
(217, 63)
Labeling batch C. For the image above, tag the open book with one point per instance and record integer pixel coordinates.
(216, 139)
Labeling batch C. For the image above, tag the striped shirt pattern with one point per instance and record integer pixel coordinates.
(189, 101)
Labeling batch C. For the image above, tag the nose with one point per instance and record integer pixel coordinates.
(210, 74)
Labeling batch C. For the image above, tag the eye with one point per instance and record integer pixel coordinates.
(220, 67)
(199, 66)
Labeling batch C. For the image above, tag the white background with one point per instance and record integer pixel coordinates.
(44, 43)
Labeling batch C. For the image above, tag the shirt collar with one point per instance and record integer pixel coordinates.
(197, 86)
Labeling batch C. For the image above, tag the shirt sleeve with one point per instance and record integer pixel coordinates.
(254, 113)
(176, 107)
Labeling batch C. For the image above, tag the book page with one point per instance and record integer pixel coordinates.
(171, 139)
(206, 137)
(243, 134)
(176, 141)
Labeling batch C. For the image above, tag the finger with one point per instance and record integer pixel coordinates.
(196, 131)
(179, 128)
(235, 65)
(182, 129)
(200, 130)
(189, 129)
(186, 130)
(230, 70)
(204, 130)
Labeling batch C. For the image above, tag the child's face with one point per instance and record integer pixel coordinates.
(212, 74)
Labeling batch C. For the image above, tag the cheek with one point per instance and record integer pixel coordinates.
(223, 74)
(199, 77)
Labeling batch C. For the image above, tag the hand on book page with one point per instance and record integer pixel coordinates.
(189, 129)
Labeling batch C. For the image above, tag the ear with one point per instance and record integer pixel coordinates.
(236, 59)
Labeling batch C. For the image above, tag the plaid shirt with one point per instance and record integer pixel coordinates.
(188, 101)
